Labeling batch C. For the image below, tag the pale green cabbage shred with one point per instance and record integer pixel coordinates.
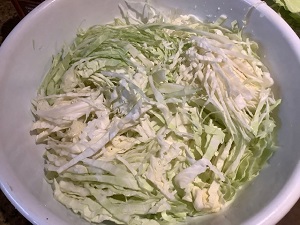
(154, 119)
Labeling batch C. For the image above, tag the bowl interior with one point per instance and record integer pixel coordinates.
(26, 57)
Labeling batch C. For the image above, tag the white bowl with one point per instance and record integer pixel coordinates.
(25, 56)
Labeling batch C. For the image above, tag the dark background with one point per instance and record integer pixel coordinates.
(9, 18)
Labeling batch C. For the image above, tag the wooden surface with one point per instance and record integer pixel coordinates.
(8, 214)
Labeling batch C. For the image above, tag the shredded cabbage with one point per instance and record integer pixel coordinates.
(150, 120)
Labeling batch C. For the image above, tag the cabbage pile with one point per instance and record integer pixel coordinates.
(150, 120)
